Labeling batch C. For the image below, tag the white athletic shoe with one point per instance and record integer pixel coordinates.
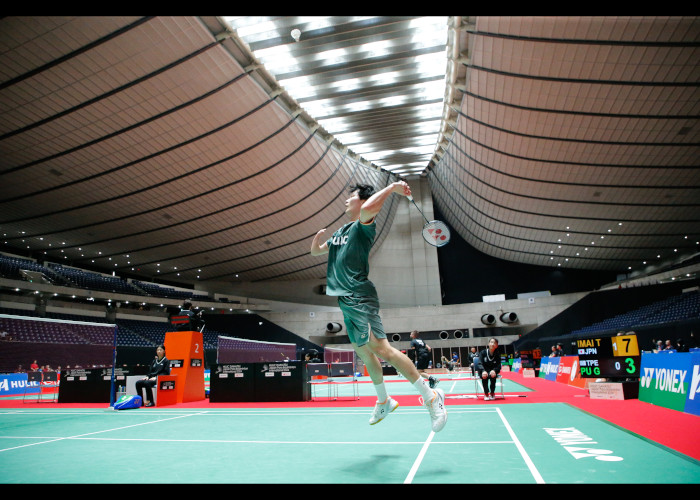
(381, 410)
(436, 407)
(488, 398)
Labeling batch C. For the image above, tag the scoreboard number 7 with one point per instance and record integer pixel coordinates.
(625, 345)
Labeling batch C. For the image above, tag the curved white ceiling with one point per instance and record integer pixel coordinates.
(163, 146)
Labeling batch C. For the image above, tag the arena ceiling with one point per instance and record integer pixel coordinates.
(213, 148)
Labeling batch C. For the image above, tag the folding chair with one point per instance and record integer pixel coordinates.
(479, 388)
(33, 377)
(343, 373)
(318, 375)
(51, 382)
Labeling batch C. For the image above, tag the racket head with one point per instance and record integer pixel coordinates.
(436, 233)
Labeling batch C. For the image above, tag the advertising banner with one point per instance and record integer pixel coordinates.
(564, 372)
(549, 368)
(15, 384)
(692, 404)
(517, 364)
(671, 380)
(575, 377)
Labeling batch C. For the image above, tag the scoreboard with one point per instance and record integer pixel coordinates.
(615, 357)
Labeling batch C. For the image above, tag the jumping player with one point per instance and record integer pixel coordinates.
(347, 278)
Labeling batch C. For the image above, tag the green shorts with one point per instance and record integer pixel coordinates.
(361, 314)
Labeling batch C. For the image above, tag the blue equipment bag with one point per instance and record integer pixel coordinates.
(127, 402)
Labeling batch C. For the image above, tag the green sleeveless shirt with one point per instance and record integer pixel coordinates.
(348, 260)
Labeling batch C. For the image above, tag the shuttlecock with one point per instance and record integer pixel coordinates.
(296, 34)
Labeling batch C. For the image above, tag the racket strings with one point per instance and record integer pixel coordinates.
(436, 233)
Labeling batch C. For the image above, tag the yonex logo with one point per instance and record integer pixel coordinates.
(436, 234)
(695, 382)
(665, 379)
(576, 443)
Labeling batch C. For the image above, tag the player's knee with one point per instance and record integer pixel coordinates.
(386, 352)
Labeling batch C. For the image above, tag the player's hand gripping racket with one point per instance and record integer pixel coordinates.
(434, 232)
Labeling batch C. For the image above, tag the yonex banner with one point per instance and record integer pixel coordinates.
(16, 384)
(549, 367)
(671, 380)
(517, 364)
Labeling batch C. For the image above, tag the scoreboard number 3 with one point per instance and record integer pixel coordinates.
(630, 368)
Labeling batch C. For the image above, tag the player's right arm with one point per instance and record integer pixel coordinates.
(318, 245)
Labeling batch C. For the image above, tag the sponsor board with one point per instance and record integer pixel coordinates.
(517, 365)
(549, 367)
(14, 384)
(671, 380)
(569, 372)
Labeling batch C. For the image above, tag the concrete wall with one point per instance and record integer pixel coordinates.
(428, 318)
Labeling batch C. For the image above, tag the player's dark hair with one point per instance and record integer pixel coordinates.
(364, 191)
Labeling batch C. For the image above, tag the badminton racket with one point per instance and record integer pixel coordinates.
(434, 232)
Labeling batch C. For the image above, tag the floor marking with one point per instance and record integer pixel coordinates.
(96, 432)
(242, 411)
(530, 465)
(258, 441)
(419, 459)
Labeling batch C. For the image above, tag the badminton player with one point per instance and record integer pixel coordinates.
(347, 278)
(422, 351)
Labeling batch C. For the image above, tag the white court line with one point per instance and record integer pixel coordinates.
(452, 389)
(257, 441)
(96, 432)
(405, 410)
(530, 465)
(419, 459)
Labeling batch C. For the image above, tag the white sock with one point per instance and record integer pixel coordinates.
(424, 389)
(381, 392)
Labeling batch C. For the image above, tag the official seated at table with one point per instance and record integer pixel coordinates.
(159, 366)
